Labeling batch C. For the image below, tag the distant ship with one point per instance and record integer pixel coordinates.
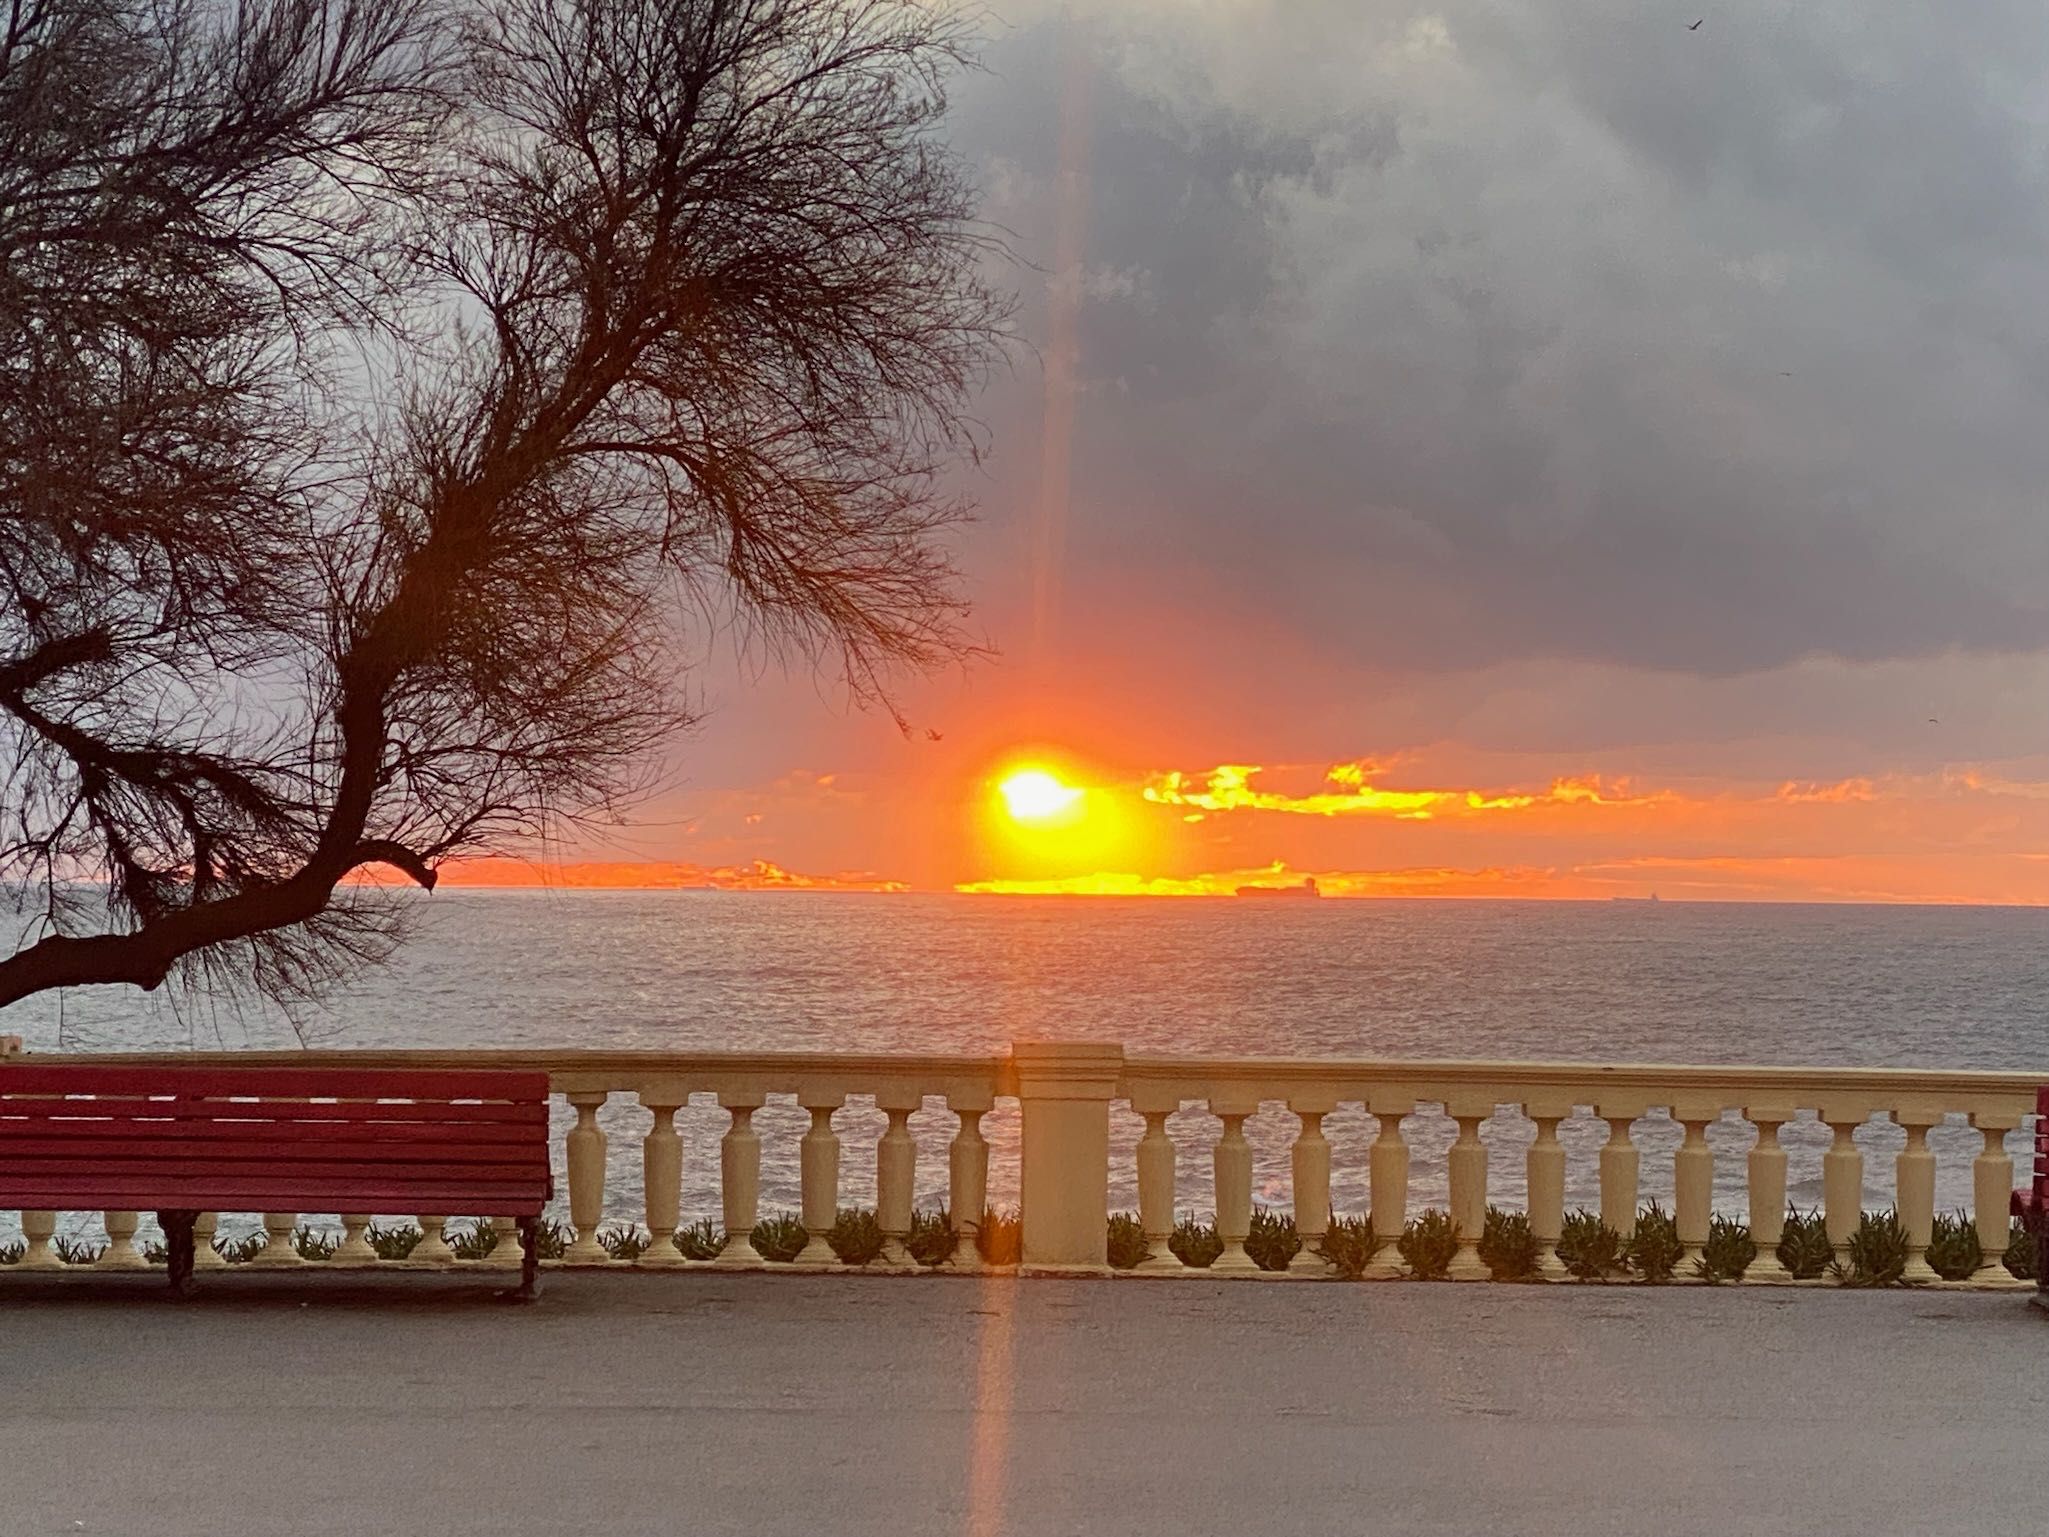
(1306, 889)
(1651, 898)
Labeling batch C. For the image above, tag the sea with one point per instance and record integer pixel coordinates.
(1886, 986)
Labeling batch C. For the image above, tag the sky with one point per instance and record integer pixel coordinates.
(1542, 450)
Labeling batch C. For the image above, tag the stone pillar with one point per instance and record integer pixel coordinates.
(277, 1240)
(1310, 1165)
(818, 1173)
(355, 1245)
(1767, 1168)
(1387, 1166)
(896, 1174)
(661, 1175)
(1545, 1170)
(1468, 1161)
(1914, 1191)
(121, 1251)
(1233, 1169)
(1992, 1198)
(1065, 1089)
(740, 1177)
(1842, 1184)
(967, 1174)
(586, 1178)
(1619, 1168)
(1693, 1188)
(1156, 1158)
(38, 1228)
(432, 1249)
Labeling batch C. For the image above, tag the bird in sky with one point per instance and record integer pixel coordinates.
(935, 736)
(1696, 26)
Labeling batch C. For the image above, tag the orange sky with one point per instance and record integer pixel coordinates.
(1463, 454)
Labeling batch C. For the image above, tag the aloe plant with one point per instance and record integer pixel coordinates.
(1427, 1245)
(11, 1253)
(1729, 1250)
(1349, 1245)
(1878, 1251)
(932, 1239)
(856, 1237)
(1194, 1243)
(1272, 1240)
(312, 1245)
(239, 1251)
(1653, 1248)
(2023, 1254)
(77, 1251)
(1804, 1247)
(1508, 1246)
(626, 1242)
(1127, 1245)
(1000, 1239)
(1590, 1249)
(779, 1239)
(477, 1241)
(1954, 1252)
(700, 1240)
(389, 1242)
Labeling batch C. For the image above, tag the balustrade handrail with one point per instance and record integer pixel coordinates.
(1065, 1091)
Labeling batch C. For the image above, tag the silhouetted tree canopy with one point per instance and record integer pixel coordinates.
(386, 385)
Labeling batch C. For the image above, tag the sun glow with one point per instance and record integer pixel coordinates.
(1034, 795)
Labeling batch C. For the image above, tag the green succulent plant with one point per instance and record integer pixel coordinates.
(313, 1244)
(1878, 1251)
(1272, 1242)
(2023, 1252)
(1508, 1246)
(1654, 1248)
(1000, 1239)
(1804, 1247)
(1127, 1243)
(1729, 1250)
(856, 1237)
(1954, 1252)
(389, 1242)
(932, 1238)
(1194, 1243)
(1590, 1249)
(1428, 1244)
(779, 1239)
(1349, 1245)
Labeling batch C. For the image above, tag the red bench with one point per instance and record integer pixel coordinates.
(182, 1140)
(2031, 1204)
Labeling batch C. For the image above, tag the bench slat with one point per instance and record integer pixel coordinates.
(38, 1171)
(274, 1082)
(173, 1110)
(376, 1150)
(160, 1194)
(279, 1134)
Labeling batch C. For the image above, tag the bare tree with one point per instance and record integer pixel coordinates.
(383, 383)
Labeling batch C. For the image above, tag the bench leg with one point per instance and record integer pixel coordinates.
(178, 1245)
(529, 1260)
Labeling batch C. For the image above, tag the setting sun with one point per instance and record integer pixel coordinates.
(1033, 795)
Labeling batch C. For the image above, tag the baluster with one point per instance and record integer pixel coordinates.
(1156, 1160)
(204, 1255)
(121, 1251)
(740, 1177)
(432, 1249)
(38, 1228)
(1842, 1182)
(1310, 1165)
(896, 1161)
(1992, 1198)
(1620, 1166)
(1468, 1161)
(1387, 1167)
(1233, 1168)
(355, 1246)
(586, 1146)
(1693, 1187)
(818, 1159)
(1767, 1169)
(1914, 1191)
(277, 1240)
(967, 1175)
(661, 1172)
(1545, 1171)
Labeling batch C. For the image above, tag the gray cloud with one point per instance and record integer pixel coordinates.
(1554, 330)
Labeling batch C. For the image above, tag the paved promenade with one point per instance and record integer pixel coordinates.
(841, 1406)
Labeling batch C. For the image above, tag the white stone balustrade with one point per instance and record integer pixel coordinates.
(1065, 1093)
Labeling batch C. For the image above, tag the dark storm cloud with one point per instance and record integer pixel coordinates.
(1485, 332)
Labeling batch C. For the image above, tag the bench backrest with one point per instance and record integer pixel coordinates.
(280, 1139)
(2042, 1144)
